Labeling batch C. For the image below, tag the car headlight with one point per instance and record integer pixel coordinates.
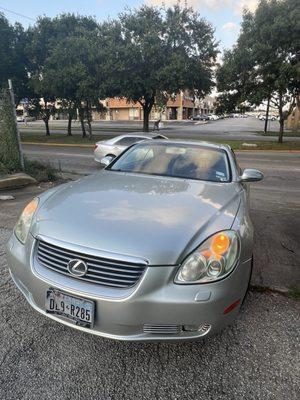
(212, 260)
(23, 225)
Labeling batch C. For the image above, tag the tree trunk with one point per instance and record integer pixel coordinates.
(267, 116)
(281, 120)
(81, 118)
(46, 120)
(89, 120)
(82, 127)
(281, 130)
(90, 129)
(147, 107)
(70, 117)
(146, 114)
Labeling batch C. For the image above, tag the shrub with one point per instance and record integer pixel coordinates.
(41, 172)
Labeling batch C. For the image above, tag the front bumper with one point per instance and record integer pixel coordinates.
(123, 314)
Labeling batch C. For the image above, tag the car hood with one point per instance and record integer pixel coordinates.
(159, 219)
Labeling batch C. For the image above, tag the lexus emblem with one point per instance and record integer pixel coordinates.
(77, 268)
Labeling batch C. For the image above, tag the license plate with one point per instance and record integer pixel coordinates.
(78, 310)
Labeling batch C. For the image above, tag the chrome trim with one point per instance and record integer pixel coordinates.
(100, 270)
(162, 329)
(126, 258)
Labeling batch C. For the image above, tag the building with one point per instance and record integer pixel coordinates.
(182, 106)
(293, 120)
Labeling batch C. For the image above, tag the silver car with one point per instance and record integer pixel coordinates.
(115, 146)
(156, 246)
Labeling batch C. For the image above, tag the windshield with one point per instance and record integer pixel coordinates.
(187, 161)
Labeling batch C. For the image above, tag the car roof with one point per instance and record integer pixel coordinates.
(134, 134)
(142, 135)
(209, 145)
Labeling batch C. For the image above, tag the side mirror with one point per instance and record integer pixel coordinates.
(107, 160)
(252, 175)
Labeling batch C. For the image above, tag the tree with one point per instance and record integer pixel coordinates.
(73, 66)
(60, 51)
(38, 48)
(13, 60)
(73, 70)
(227, 103)
(152, 53)
(264, 64)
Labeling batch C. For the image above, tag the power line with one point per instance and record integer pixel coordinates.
(13, 12)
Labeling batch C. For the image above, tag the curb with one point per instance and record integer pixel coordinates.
(57, 144)
(15, 181)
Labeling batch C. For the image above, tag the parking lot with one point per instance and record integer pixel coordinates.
(228, 128)
(257, 357)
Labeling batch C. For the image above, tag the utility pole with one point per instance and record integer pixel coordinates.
(12, 97)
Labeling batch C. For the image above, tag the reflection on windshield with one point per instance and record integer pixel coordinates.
(187, 161)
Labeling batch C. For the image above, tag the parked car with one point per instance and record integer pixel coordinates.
(156, 246)
(24, 118)
(115, 146)
(262, 117)
(200, 117)
(213, 117)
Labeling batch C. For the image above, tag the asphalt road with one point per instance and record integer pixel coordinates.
(258, 357)
(229, 128)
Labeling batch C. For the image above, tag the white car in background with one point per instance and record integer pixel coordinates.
(213, 117)
(262, 117)
(115, 146)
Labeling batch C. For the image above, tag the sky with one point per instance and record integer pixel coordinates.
(224, 15)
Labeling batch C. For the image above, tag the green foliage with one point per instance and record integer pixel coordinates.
(294, 294)
(265, 62)
(64, 63)
(40, 171)
(13, 59)
(146, 55)
(9, 151)
(227, 103)
(151, 53)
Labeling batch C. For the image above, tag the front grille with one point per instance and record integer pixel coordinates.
(162, 329)
(103, 271)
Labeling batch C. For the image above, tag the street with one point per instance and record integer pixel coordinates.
(257, 357)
